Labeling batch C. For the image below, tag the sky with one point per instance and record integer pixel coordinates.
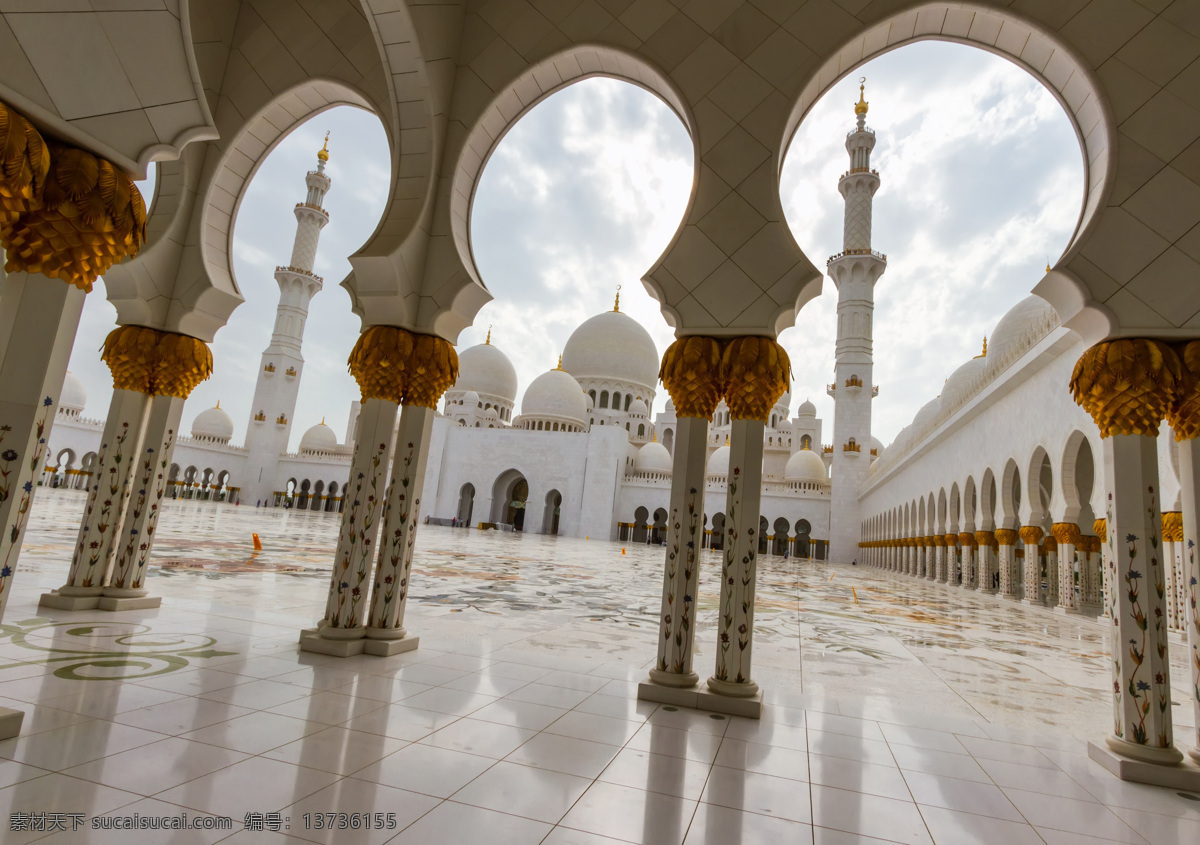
(981, 186)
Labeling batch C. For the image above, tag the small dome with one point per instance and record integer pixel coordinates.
(805, 465)
(491, 414)
(785, 401)
(485, 368)
(963, 383)
(718, 462)
(555, 395)
(1025, 323)
(470, 399)
(653, 457)
(213, 423)
(612, 346)
(670, 408)
(591, 403)
(806, 409)
(319, 438)
(926, 417)
(638, 408)
(74, 394)
(876, 445)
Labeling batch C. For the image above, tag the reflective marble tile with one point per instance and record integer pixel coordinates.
(714, 825)
(657, 773)
(473, 736)
(254, 785)
(453, 822)
(565, 754)
(353, 796)
(757, 793)
(870, 815)
(439, 772)
(337, 750)
(534, 793)
(631, 814)
(160, 765)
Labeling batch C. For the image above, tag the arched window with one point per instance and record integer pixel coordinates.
(806, 442)
(627, 426)
(603, 398)
(616, 400)
(592, 394)
(641, 431)
(628, 396)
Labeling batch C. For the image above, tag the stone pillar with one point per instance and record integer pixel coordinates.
(1184, 417)
(985, 565)
(953, 573)
(1066, 534)
(910, 556)
(126, 590)
(967, 539)
(1105, 576)
(1006, 546)
(939, 558)
(145, 363)
(386, 634)
(1127, 386)
(1031, 536)
(1089, 551)
(392, 367)
(755, 373)
(1172, 534)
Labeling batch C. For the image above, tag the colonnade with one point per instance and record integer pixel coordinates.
(1138, 562)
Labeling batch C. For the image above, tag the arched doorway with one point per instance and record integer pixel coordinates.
(764, 530)
(658, 533)
(509, 495)
(716, 540)
(779, 545)
(803, 539)
(466, 503)
(640, 517)
(550, 514)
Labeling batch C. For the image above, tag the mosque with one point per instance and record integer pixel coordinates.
(1050, 483)
(579, 457)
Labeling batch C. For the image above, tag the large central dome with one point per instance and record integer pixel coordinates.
(612, 347)
(485, 369)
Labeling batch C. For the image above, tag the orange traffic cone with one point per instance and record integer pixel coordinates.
(257, 543)
(622, 551)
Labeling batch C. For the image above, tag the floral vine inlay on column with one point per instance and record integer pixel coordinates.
(21, 512)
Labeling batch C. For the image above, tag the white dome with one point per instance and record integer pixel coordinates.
(490, 414)
(877, 446)
(653, 457)
(1023, 325)
(806, 409)
(470, 399)
(963, 382)
(614, 347)
(785, 401)
(555, 396)
(670, 408)
(928, 414)
(74, 394)
(485, 368)
(213, 423)
(718, 462)
(805, 465)
(319, 438)
(638, 408)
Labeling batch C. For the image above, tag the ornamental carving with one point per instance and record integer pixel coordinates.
(930, 540)
(400, 366)
(24, 163)
(691, 372)
(1006, 536)
(1100, 526)
(1184, 414)
(1127, 385)
(1172, 526)
(986, 538)
(967, 539)
(754, 374)
(1030, 534)
(155, 362)
(1065, 532)
(950, 540)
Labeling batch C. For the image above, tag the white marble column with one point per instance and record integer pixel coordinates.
(681, 573)
(38, 320)
(100, 531)
(349, 586)
(1189, 480)
(953, 576)
(1172, 534)
(1067, 534)
(1006, 560)
(1031, 535)
(1142, 727)
(939, 555)
(386, 634)
(967, 538)
(735, 621)
(985, 559)
(1105, 576)
(126, 590)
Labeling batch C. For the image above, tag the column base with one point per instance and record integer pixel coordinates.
(674, 679)
(1170, 772)
(1194, 753)
(117, 603)
(701, 698)
(317, 641)
(10, 722)
(1058, 608)
(58, 600)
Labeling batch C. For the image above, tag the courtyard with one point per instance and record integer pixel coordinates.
(898, 710)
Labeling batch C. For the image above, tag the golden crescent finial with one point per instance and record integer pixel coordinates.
(488, 341)
(323, 155)
(860, 108)
(617, 303)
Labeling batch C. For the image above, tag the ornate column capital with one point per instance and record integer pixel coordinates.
(1006, 536)
(1172, 526)
(950, 540)
(396, 365)
(91, 216)
(1065, 532)
(1127, 385)
(691, 372)
(986, 538)
(936, 540)
(754, 373)
(154, 362)
(1088, 544)
(1050, 545)
(967, 539)
(1030, 534)
(1184, 413)
(1100, 526)
(24, 163)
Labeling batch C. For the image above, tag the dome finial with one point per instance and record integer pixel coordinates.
(218, 405)
(323, 154)
(860, 108)
(488, 342)
(983, 354)
(322, 420)
(559, 367)
(617, 303)
(1047, 266)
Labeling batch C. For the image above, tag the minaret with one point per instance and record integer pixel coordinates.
(854, 270)
(279, 372)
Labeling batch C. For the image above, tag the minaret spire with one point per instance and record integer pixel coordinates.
(854, 271)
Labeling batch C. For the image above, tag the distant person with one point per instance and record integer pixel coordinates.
(854, 562)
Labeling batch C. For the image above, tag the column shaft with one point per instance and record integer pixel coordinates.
(1031, 535)
(398, 534)
(735, 624)
(126, 589)
(1141, 670)
(1189, 478)
(681, 573)
(38, 320)
(985, 566)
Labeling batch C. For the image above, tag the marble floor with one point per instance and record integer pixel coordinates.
(897, 710)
